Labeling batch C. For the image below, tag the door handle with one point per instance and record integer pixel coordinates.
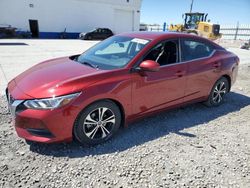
(179, 73)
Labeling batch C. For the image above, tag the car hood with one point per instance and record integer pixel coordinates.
(55, 77)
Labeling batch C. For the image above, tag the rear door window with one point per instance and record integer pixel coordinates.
(193, 49)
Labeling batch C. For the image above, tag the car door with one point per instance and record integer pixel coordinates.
(156, 90)
(202, 67)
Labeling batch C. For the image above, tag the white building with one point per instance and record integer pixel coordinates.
(49, 18)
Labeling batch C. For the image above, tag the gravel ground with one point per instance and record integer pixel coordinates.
(193, 146)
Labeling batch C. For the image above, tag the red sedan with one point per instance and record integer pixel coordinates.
(123, 78)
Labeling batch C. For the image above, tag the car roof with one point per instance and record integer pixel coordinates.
(155, 35)
(102, 28)
(165, 35)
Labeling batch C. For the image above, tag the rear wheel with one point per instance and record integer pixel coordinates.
(97, 123)
(218, 92)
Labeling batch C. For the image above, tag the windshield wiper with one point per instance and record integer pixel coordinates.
(90, 64)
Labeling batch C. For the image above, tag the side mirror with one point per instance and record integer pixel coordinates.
(150, 65)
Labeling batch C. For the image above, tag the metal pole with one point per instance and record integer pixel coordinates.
(164, 26)
(236, 32)
(191, 8)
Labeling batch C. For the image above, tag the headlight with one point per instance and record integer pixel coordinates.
(50, 103)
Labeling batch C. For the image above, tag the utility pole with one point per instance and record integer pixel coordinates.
(191, 8)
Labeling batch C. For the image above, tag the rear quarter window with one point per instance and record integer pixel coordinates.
(192, 49)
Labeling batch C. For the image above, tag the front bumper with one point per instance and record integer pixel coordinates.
(47, 126)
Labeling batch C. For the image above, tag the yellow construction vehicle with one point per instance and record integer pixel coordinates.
(196, 23)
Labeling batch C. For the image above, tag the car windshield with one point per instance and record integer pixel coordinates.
(113, 53)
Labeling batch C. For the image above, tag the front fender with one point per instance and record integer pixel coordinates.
(117, 90)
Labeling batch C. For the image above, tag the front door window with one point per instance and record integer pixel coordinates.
(164, 53)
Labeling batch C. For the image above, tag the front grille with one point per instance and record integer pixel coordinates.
(7, 94)
(11, 99)
(216, 29)
(13, 104)
(21, 107)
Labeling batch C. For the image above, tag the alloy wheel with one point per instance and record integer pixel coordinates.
(99, 123)
(219, 91)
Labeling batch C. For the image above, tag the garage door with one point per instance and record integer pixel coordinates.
(124, 21)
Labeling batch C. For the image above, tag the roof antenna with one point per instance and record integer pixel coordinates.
(191, 7)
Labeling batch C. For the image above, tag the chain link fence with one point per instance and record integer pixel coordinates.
(235, 32)
(230, 31)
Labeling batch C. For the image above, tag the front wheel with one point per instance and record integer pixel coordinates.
(97, 123)
(218, 92)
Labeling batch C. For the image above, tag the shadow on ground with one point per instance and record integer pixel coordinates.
(151, 128)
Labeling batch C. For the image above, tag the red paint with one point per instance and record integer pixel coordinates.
(138, 94)
(150, 65)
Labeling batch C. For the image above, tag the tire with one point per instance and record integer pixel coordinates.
(218, 92)
(97, 123)
(89, 38)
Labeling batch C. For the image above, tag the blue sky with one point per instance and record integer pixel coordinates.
(219, 11)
